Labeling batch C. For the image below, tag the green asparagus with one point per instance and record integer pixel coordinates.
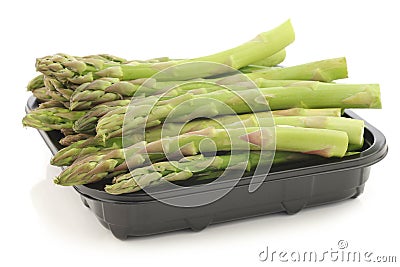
(323, 142)
(188, 167)
(48, 119)
(70, 139)
(41, 94)
(273, 60)
(124, 119)
(36, 83)
(69, 69)
(68, 155)
(301, 94)
(324, 71)
(108, 89)
(81, 148)
(87, 123)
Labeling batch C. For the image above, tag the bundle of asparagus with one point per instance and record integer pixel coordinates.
(103, 103)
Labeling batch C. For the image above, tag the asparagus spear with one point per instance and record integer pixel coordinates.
(353, 127)
(302, 94)
(57, 96)
(273, 60)
(69, 69)
(82, 148)
(266, 63)
(46, 65)
(54, 86)
(73, 138)
(326, 143)
(330, 112)
(188, 167)
(36, 83)
(41, 81)
(41, 94)
(254, 68)
(91, 94)
(67, 131)
(87, 123)
(324, 71)
(44, 90)
(53, 104)
(39, 86)
(54, 118)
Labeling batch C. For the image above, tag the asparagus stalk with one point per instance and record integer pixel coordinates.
(302, 94)
(69, 69)
(273, 60)
(324, 71)
(322, 95)
(48, 119)
(353, 127)
(266, 83)
(188, 167)
(330, 112)
(264, 45)
(253, 68)
(323, 142)
(266, 63)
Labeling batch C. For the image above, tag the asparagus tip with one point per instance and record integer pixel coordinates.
(56, 180)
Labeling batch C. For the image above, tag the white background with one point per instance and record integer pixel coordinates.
(45, 224)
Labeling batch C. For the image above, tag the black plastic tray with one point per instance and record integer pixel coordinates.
(287, 189)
